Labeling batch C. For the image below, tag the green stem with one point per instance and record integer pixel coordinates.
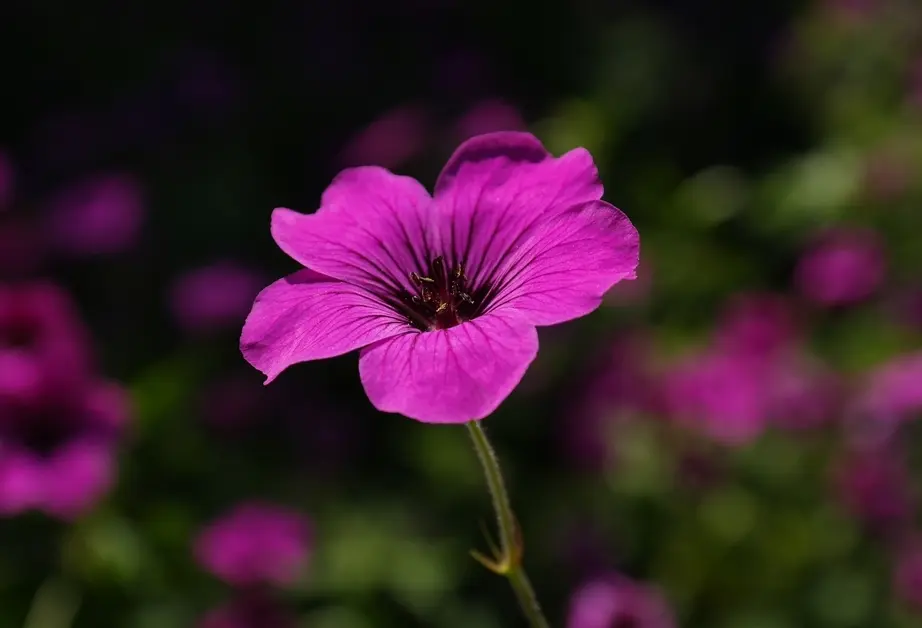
(509, 564)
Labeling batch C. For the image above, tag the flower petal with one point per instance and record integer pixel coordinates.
(567, 264)
(451, 375)
(77, 477)
(308, 316)
(496, 187)
(371, 229)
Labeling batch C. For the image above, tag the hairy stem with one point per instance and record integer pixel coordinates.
(508, 562)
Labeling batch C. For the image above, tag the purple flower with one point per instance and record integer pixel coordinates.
(57, 454)
(893, 391)
(618, 602)
(255, 544)
(907, 576)
(214, 296)
(803, 393)
(841, 267)
(99, 216)
(391, 140)
(44, 348)
(443, 293)
(759, 324)
(721, 393)
(250, 610)
(874, 486)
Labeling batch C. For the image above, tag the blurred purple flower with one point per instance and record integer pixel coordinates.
(44, 348)
(57, 454)
(488, 116)
(720, 393)
(390, 141)
(250, 610)
(99, 216)
(841, 267)
(7, 181)
(443, 293)
(216, 296)
(803, 393)
(756, 324)
(893, 391)
(618, 602)
(255, 544)
(907, 576)
(874, 486)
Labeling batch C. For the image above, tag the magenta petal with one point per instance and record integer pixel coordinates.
(20, 481)
(496, 187)
(308, 316)
(568, 263)
(372, 229)
(77, 477)
(450, 375)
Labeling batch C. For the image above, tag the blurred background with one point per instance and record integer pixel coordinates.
(728, 443)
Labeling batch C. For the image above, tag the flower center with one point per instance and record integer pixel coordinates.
(442, 299)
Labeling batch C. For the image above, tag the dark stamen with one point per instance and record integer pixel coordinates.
(442, 299)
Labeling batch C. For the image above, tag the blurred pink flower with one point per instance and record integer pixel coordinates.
(756, 323)
(874, 486)
(719, 393)
(615, 601)
(57, 454)
(44, 348)
(803, 393)
(99, 216)
(215, 296)
(841, 267)
(249, 610)
(907, 576)
(488, 116)
(893, 390)
(7, 180)
(255, 543)
(390, 141)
